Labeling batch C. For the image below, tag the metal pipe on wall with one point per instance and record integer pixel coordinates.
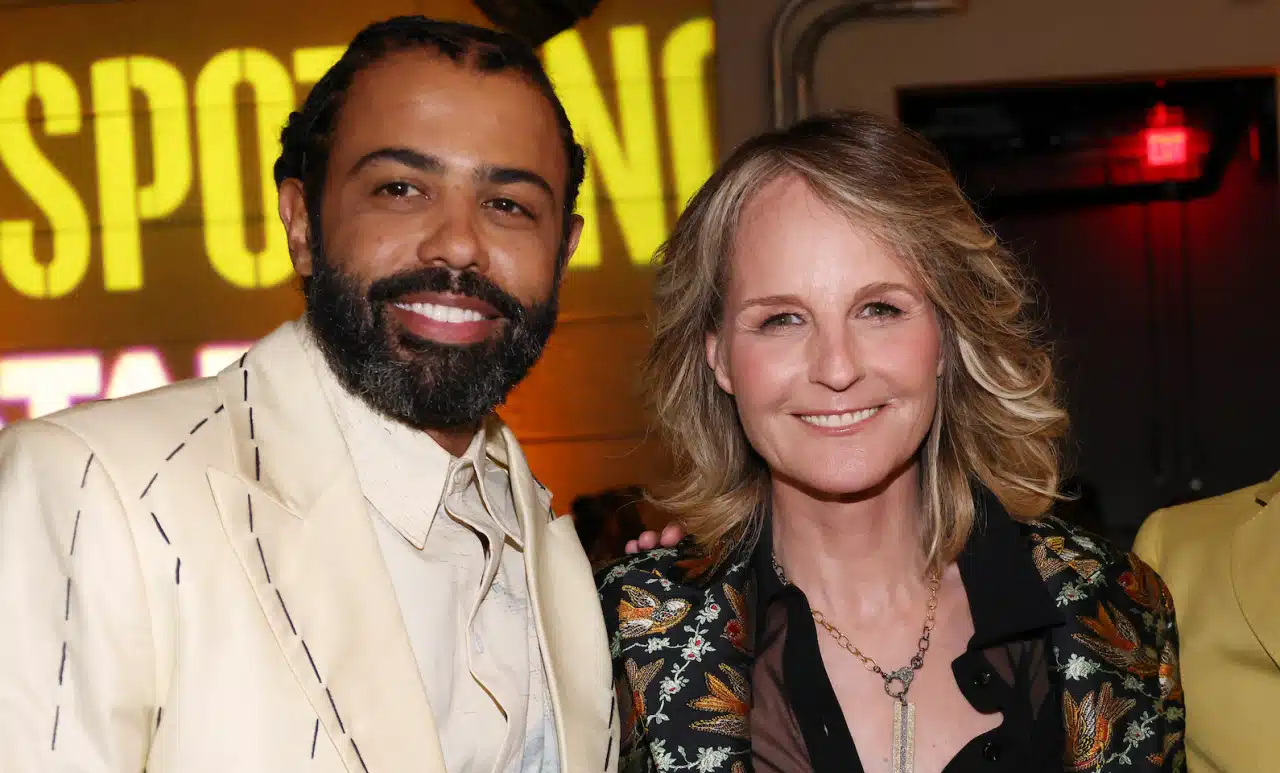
(791, 71)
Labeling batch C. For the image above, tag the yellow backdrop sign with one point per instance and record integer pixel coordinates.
(138, 241)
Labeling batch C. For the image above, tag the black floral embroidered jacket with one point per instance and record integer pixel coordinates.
(682, 652)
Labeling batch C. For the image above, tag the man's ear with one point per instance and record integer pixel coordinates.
(297, 225)
(715, 361)
(571, 241)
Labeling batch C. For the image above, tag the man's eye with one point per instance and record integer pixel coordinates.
(509, 207)
(396, 189)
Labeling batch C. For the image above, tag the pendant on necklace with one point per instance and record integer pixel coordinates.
(904, 736)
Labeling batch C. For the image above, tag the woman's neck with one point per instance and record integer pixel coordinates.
(862, 551)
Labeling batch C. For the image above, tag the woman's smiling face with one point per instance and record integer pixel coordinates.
(828, 345)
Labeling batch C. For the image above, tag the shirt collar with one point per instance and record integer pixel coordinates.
(403, 472)
(1007, 597)
(495, 488)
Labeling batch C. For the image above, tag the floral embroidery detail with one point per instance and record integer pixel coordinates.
(1079, 667)
(1072, 591)
(668, 664)
(670, 614)
(731, 699)
(1123, 614)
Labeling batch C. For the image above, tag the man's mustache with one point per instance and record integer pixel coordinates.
(434, 279)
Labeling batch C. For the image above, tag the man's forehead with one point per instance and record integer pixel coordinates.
(426, 84)
(422, 100)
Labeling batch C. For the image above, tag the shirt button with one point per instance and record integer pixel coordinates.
(982, 678)
(991, 751)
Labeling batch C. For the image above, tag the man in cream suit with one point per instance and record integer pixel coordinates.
(332, 556)
(1219, 559)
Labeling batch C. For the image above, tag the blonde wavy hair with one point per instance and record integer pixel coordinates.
(997, 422)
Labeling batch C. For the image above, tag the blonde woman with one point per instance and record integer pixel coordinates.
(844, 365)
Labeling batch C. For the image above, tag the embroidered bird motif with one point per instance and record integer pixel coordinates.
(735, 630)
(644, 614)
(639, 678)
(1090, 725)
(1170, 678)
(1052, 555)
(695, 565)
(1144, 586)
(731, 700)
(1158, 758)
(1118, 642)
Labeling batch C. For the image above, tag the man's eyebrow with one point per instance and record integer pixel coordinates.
(504, 175)
(497, 175)
(410, 158)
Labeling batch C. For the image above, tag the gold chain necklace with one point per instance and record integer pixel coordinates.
(896, 683)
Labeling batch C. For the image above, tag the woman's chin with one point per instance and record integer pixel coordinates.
(843, 485)
(835, 488)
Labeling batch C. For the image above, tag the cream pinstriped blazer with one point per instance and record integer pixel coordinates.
(189, 582)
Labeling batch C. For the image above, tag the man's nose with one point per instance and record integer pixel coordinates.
(455, 241)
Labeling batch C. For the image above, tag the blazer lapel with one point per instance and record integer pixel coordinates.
(1255, 574)
(570, 624)
(295, 515)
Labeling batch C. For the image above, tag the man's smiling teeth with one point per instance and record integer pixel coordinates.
(441, 313)
(841, 419)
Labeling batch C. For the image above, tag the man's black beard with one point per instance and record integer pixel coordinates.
(416, 381)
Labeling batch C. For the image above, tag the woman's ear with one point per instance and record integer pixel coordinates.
(715, 361)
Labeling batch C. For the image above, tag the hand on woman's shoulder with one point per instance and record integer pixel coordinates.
(646, 566)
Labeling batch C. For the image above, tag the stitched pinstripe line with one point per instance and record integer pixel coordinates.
(359, 756)
(66, 609)
(75, 531)
(266, 571)
(177, 565)
(177, 568)
(608, 748)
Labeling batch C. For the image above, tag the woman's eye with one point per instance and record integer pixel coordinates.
(781, 320)
(880, 310)
(397, 190)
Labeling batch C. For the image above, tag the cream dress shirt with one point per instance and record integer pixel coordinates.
(452, 543)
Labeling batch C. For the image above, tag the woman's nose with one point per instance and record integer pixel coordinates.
(834, 361)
